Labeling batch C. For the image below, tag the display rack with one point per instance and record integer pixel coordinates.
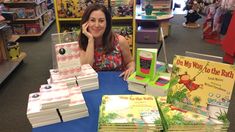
(7, 62)
(32, 17)
(69, 20)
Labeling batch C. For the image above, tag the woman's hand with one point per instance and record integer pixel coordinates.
(85, 30)
(127, 73)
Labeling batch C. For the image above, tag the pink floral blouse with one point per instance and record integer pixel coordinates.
(108, 62)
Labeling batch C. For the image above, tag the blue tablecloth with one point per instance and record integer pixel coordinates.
(109, 84)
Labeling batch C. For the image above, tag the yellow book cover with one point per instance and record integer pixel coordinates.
(201, 86)
(132, 111)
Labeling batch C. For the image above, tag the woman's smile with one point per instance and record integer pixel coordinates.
(97, 24)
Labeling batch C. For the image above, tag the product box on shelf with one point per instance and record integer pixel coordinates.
(30, 13)
(47, 17)
(33, 28)
(43, 7)
(20, 12)
(38, 10)
(13, 50)
(18, 28)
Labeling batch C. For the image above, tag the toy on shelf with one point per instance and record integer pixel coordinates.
(192, 16)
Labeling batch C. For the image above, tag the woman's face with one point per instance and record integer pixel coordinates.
(97, 24)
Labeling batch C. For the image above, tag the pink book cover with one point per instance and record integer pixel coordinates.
(68, 58)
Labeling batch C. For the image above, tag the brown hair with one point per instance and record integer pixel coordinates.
(108, 36)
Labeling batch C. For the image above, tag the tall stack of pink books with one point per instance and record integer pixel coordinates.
(61, 99)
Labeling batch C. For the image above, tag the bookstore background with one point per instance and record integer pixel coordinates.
(193, 92)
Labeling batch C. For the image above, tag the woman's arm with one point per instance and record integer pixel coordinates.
(128, 59)
(87, 57)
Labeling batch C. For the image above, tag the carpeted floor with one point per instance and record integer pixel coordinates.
(34, 71)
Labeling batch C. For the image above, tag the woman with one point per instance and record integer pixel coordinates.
(99, 46)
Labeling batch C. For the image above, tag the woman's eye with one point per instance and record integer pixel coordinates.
(101, 21)
(92, 20)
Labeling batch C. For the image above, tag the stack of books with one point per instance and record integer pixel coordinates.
(55, 103)
(57, 78)
(137, 83)
(178, 119)
(87, 79)
(129, 113)
(160, 85)
(54, 96)
(150, 77)
(77, 106)
(38, 117)
(70, 70)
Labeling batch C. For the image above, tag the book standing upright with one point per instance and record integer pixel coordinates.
(202, 86)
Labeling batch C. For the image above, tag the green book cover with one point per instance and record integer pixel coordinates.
(129, 111)
(146, 62)
(174, 118)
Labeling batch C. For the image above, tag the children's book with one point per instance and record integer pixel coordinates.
(68, 58)
(137, 83)
(160, 85)
(201, 86)
(146, 62)
(178, 119)
(129, 111)
(138, 79)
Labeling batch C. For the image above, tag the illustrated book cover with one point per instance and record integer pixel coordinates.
(129, 111)
(201, 86)
(179, 119)
(146, 62)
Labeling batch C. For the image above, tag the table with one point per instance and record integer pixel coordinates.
(162, 20)
(109, 84)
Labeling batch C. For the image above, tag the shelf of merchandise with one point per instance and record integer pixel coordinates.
(39, 34)
(115, 19)
(31, 19)
(20, 3)
(8, 66)
(27, 4)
